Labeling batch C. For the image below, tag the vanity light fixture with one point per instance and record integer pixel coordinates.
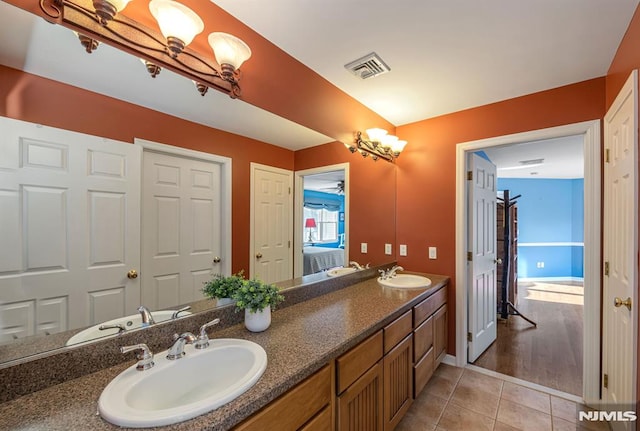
(378, 144)
(98, 21)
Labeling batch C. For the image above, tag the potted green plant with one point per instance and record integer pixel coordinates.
(257, 299)
(222, 287)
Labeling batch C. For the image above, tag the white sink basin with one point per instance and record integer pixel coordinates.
(174, 391)
(335, 272)
(129, 322)
(406, 281)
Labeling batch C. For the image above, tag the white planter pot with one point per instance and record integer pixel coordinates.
(225, 301)
(257, 322)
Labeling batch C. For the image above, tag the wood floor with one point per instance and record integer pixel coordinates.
(551, 354)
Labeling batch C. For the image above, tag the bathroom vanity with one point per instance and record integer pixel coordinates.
(361, 343)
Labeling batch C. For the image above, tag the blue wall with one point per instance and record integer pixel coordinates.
(330, 196)
(549, 211)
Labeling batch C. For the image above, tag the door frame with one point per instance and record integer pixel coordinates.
(225, 189)
(592, 229)
(298, 211)
(255, 166)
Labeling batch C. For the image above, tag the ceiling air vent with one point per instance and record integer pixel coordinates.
(368, 66)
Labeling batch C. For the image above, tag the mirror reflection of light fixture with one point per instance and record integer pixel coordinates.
(310, 224)
(100, 21)
(378, 144)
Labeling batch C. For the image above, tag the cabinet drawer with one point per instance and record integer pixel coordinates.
(321, 422)
(397, 331)
(358, 360)
(427, 307)
(422, 339)
(294, 408)
(422, 372)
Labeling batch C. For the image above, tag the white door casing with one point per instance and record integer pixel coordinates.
(183, 224)
(271, 233)
(590, 130)
(482, 281)
(620, 241)
(69, 208)
(298, 239)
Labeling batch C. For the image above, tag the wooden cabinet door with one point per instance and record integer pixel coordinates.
(360, 406)
(440, 335)
(398, 382)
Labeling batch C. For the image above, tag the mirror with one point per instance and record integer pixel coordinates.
(371, 216)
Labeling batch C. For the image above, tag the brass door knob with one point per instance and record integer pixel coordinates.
(618, 302)
(498, 261)
(132, 274)
(216, 259)
(259, 256)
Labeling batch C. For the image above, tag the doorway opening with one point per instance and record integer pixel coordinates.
(321, 219)
(589, 133)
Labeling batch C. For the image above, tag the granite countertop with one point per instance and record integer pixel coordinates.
(301, 339)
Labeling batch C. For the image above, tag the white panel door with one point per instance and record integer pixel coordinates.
(272, 223)
(482, 306)
(181, 225)
(620, 250)
(69, 229)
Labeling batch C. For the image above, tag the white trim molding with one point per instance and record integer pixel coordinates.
(590, 130)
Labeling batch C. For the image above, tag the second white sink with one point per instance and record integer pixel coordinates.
(174, 391)
(406, 281)
(335, 272)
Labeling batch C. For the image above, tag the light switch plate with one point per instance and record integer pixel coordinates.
(433, 253)
(363, 247)
(387, 249)
(403, 249)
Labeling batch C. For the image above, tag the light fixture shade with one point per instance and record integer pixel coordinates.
(398, 146)
(228, 49)
(389, 140)
(376, 135)
(119, 4)
(310, 222)
(176, 20)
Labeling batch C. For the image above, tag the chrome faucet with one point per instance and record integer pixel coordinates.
(147, 318)
(176, 351)
(203, 339)
(390, 273)
(355, 265)
(176, 313)
(145, 358)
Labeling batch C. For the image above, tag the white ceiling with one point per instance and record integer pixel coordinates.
(444, 56)
(325, 182)
(562, 158)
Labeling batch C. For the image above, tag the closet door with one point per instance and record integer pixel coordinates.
(69, 229)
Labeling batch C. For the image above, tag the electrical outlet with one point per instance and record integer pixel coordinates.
(363, 247)
(433, 253)
(387, 249)
(403, 249)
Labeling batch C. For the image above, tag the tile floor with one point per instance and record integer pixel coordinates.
(457, 399)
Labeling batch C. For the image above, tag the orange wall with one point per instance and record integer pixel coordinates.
(372, 209)
(626, 59)
(31, 98)
(426, 169)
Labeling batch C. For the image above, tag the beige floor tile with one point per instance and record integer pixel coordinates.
(413, 422)
(477, 400)
(487, 384)
(449, 372)
(504, 427)
(456, 418)
(440, 387)
(428, 407)
(564, 409)
(522, 417)
(526, 397)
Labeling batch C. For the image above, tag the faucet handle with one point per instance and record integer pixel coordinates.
(145, 358)
(118, 326)
(203, 339)
(181, 310)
